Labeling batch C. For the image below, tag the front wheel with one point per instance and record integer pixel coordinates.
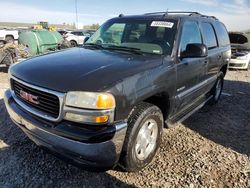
(143, 138)
(217, 89)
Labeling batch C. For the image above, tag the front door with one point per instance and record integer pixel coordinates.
(190, 71)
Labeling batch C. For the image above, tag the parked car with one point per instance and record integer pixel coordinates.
(77, 37)
(62, 32)
(240, 51)
(106, 103)
(8, 35)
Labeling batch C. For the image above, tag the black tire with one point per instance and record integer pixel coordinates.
(8, 60)
(2, 43)
(9, 39)
(217, 89)
(139, 116)
(73, 43)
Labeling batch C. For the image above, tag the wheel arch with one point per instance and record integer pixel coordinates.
(224, 69)
(162, 101)
(9, 35)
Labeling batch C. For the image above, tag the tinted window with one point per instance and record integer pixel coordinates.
(190, 34)
(209, 35)
(237, 38)
(77, 33)
(222, 34)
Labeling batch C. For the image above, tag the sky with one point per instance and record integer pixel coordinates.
(234, 13)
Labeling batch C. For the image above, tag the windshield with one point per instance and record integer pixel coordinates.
(145, 36)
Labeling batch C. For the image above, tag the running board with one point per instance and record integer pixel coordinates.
(170, 125)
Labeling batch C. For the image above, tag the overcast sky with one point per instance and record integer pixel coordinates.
(234, 13)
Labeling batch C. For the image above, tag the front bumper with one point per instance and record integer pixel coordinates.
(91, 156)
(238, 64)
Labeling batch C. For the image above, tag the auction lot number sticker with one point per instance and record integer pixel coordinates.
(162, 24)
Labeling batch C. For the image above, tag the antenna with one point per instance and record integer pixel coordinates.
(166, 14)
(121, 15)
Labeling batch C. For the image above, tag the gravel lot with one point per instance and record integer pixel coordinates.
(210, 149)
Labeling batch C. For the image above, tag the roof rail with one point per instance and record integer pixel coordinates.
(190, 13)
(173, 12)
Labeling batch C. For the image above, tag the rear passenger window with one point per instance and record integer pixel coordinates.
(209, 35)
(222, 34)
(190, 34)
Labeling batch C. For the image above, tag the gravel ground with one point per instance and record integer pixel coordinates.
(210, 149)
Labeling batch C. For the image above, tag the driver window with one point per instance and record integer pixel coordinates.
(190, 34)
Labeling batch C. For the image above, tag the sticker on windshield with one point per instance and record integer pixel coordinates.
(162, 24)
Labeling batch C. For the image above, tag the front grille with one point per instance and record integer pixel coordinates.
(48, 103)
(236, 65)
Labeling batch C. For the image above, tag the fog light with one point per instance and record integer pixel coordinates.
(86, 119)
(101, 119)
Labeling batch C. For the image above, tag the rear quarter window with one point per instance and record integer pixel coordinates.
(222, 34)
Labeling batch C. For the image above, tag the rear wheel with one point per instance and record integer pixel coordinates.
(143, 137)
(73, 43)
(217, 89)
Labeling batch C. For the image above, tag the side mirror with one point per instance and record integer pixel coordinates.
(86, 39)
(195, 51)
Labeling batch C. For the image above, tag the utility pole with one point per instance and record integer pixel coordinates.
(76, 26)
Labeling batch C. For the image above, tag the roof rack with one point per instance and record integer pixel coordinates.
(173, 12)
(180, 12)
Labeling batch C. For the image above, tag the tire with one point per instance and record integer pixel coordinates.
(8, 60)
(73, 43)
(145, 125)
(217, 89)
(2, 43)
(9, 39)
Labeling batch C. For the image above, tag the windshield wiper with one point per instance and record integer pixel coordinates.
(98, 46)
(124, 48)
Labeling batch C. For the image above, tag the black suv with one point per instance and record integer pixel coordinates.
(107, 102)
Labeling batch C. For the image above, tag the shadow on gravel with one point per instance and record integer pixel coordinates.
(23, 164)
(228, 122)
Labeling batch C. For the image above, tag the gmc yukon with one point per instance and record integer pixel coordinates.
(106, 103)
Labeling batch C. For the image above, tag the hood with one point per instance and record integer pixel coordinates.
(80, 69)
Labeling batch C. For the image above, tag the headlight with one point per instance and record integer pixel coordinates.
(90, 100)
(89, 107)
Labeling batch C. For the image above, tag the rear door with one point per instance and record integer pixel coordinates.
(214, 57)
(81, 37)
(190, 71)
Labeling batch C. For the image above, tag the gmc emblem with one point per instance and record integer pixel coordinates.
(28, 97)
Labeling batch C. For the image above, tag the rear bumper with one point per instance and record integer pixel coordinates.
(91, 156)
